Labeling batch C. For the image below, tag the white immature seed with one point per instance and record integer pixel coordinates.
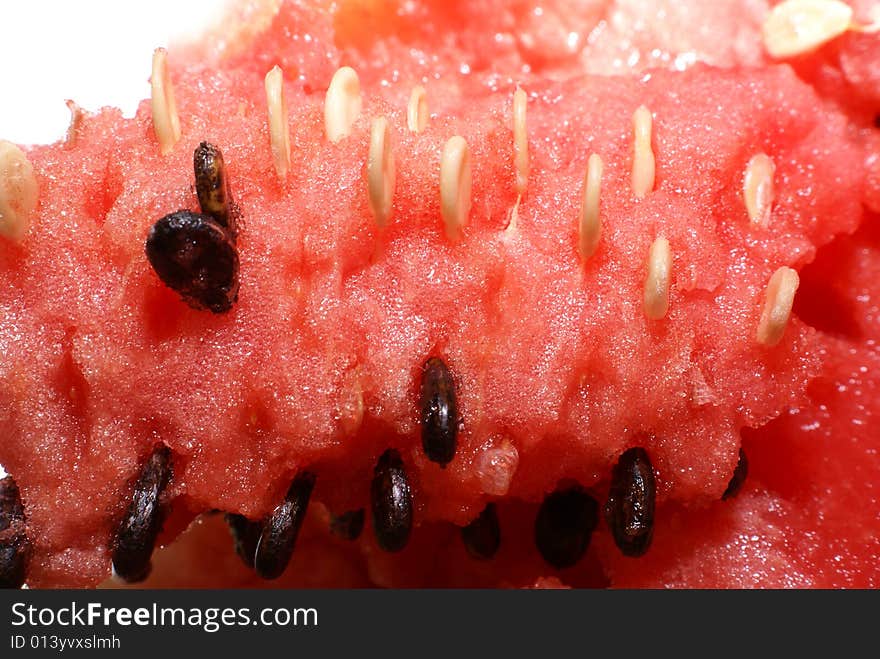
(758, 189)
(342, 104)
(417, 110)
(643, 154)
(75, 125)
(777, 306)
(381, 171)
(520, 141)
(657, 281)
(511, 230)
(279, 132)
(795, 27)
(166, 123)
(455, 186)
(590, 226)
(18, 191)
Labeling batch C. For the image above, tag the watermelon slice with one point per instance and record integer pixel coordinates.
(283, 325)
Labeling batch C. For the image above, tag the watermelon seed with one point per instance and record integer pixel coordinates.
(758, 189)
(590, 225)
(166, 123)
(76, 119)
(278, 538)
(643, 154)
(350, 403)
(564, 525)
(455, 186)
(391, 502)
(211, 186)
(417, 110)
(15, 548)
(349, 524)
(137, 532)
(381, 171)
(18, 191)
(279, 133)
(777, 306)
(342, 104)
(510, 231)
(657, 281)
(795, 27)
(482, 537)
(195, 256)
(739, 477)
(629, 510)
(439, 408)
(245, 535)
(520, 141)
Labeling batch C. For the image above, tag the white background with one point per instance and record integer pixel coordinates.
(94, 52)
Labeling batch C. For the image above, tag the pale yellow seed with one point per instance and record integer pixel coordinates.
(511, 230)
(657, 281)
(455, 186)
(520, 141)
(18, 191)
(166, 122)
(279, 132)
(417, 110)
(795, 27)
(381, 171)
(590, 225)
(777, 306)
(350, 404)
(342, 104)
(75, 125)
(758, 189)
(643, 154)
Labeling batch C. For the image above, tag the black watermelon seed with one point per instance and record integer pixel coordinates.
(139, 528)
(564, 526)
(391, 500)
(877, 121)
(738, 478)
(211, 185)
(349, 524)
(14, 544)
(245, 535)
(482, 537)
(629, 510)
(278, 538)
(196, 257)
(439, 412)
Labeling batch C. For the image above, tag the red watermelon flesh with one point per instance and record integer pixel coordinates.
(498, 39)
(811, 524)
(552, 358)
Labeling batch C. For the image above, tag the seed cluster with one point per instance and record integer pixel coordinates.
(195, 254)
(342, 107)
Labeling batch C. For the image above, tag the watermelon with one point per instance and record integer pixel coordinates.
(489, 368)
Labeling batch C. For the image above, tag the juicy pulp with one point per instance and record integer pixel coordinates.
(316, 366)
